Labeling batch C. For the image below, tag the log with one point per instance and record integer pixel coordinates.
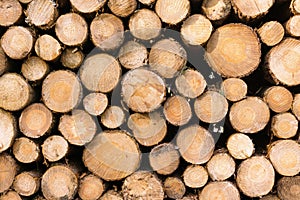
(270, 197)
(133, 55)
(292, 26)
(278, 98)
(295, 7)
(174, 187)
(59, 182)
(10, 195)
(26, 150)
(233, 50)
(142, 185)
(8, 130)
(10, 12)
(25, 1)
(78, 128)
(111, 195)
(234, 89)
(126, 157)
(196, 30)
(190, 83)
(113, 117)
(285, 157)
(41, 13)
(219, 190)
(144, 24)
(195, 176)
(216, 11)
(147, 2)
(122, 8)
(282, 62)
(167, 57)
(143, 90)
(107, 31)
(296, 106)
(284, 125)
(55, 148)
(95, 103)
(3, 62)
(255, 176)
(61, 91)
(220, 167)
(148, 129)
(8, 170)
(164, 158)
(88, 6)
(288, 188)
(196, 144)
(15, 92)
(250, 115)
(71, 29)
(47, 48)
(34, 69)
(177, 110)
(172, 11)
(17, 42)
(27, 183)
(240, 146)
(271, 33)
(102, 77)
(91, 187)
(72, 58)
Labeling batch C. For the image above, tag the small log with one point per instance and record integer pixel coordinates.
(72, 58)
(126, 157)
(195, 144)
(164, 158)
(113, 117)
(271, 33)
(55, 148)
(219, 190)
(71, 29)
(122, 8)
(10, 12)
(47, 48)
(177, 110)
(220, 167)
(26, 150)
(8, 130)
(88, 6)
(147, 2)
(142, 185)
(111, 195)
(3, 62)
(79, 128)
(167, 57)
(91, 187)
(250, 115)
(34, 69)
(292, 26)
(172, 11)
(270, 197)
(143, 90)
(59, 182)
(278, 98)
(251, 10)
(296, 106)
(285, 157)
(17, 42)
(61, 91)
(284, 125)
(233, 50)
(255, 176)
(288, 188)
(174, 187)
(102, 77)
(295, 7)
(216, 11)
(8, 170)
(10, 195)
(144, 24)
(25, 1)
(41, 13)
(190, 83)
(15, 92)
(95, 103)
(148, 129)
(133, 55)
(27, 183)
(240, 146)
(196, 30)
(283, 64)
(235, 89)
(107, 31)
(195, 176)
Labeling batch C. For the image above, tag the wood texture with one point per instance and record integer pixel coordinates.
(8, 171)
(216, 10)
(278, 98)
(122, 8)
(88, 6)
(235, 89)
(174, 187)
(295, 7)
(26, 183)
(219, 190)
(47, 48)
(8, 130)
(195, 176)
(296, 106)
(288, 188)
(91, 187)
(26, 150)
(284, 125)
(240, 146)
(10, 12)
(95, 103)
(113, 117)
(271, 33)
(292, 26)
(55, 148)
(34, 68)
(72, 58)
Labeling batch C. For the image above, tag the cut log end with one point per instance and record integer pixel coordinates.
(295, 7)
(271, 33)
(95, 103)
(113, 117)
(10, 12)
(34, 69)
(88, 6)
(55, 148)
(217, 10)
(3, 61)
(284, 125)
(278, 98)
(240, 146)
(288, 188)
(291, 26)
(10, 195)
(296, 106)
(8, 130)
(147, 2)
(174, 187)
(234, 89)
(122, 8)
(195, 176)
(111, 195)
(26, 183)
(72, 58)
(8, 171)
(47, 48)
(91, 187)
(26, 150)
(219, 190)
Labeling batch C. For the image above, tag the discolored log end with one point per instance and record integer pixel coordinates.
(72, 58)
(95, 103)
(271, 33)
(195, 176)
(174, 187)
(216, 10)
(91, 187)
(113, 117)
(34, 69)
(234, 89)
(288, 188)
(240, 146)
(278, 98)
(26, 150)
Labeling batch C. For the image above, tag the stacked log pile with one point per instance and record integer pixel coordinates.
(149, 99)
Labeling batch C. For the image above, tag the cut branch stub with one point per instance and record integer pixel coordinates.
(8, 130)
